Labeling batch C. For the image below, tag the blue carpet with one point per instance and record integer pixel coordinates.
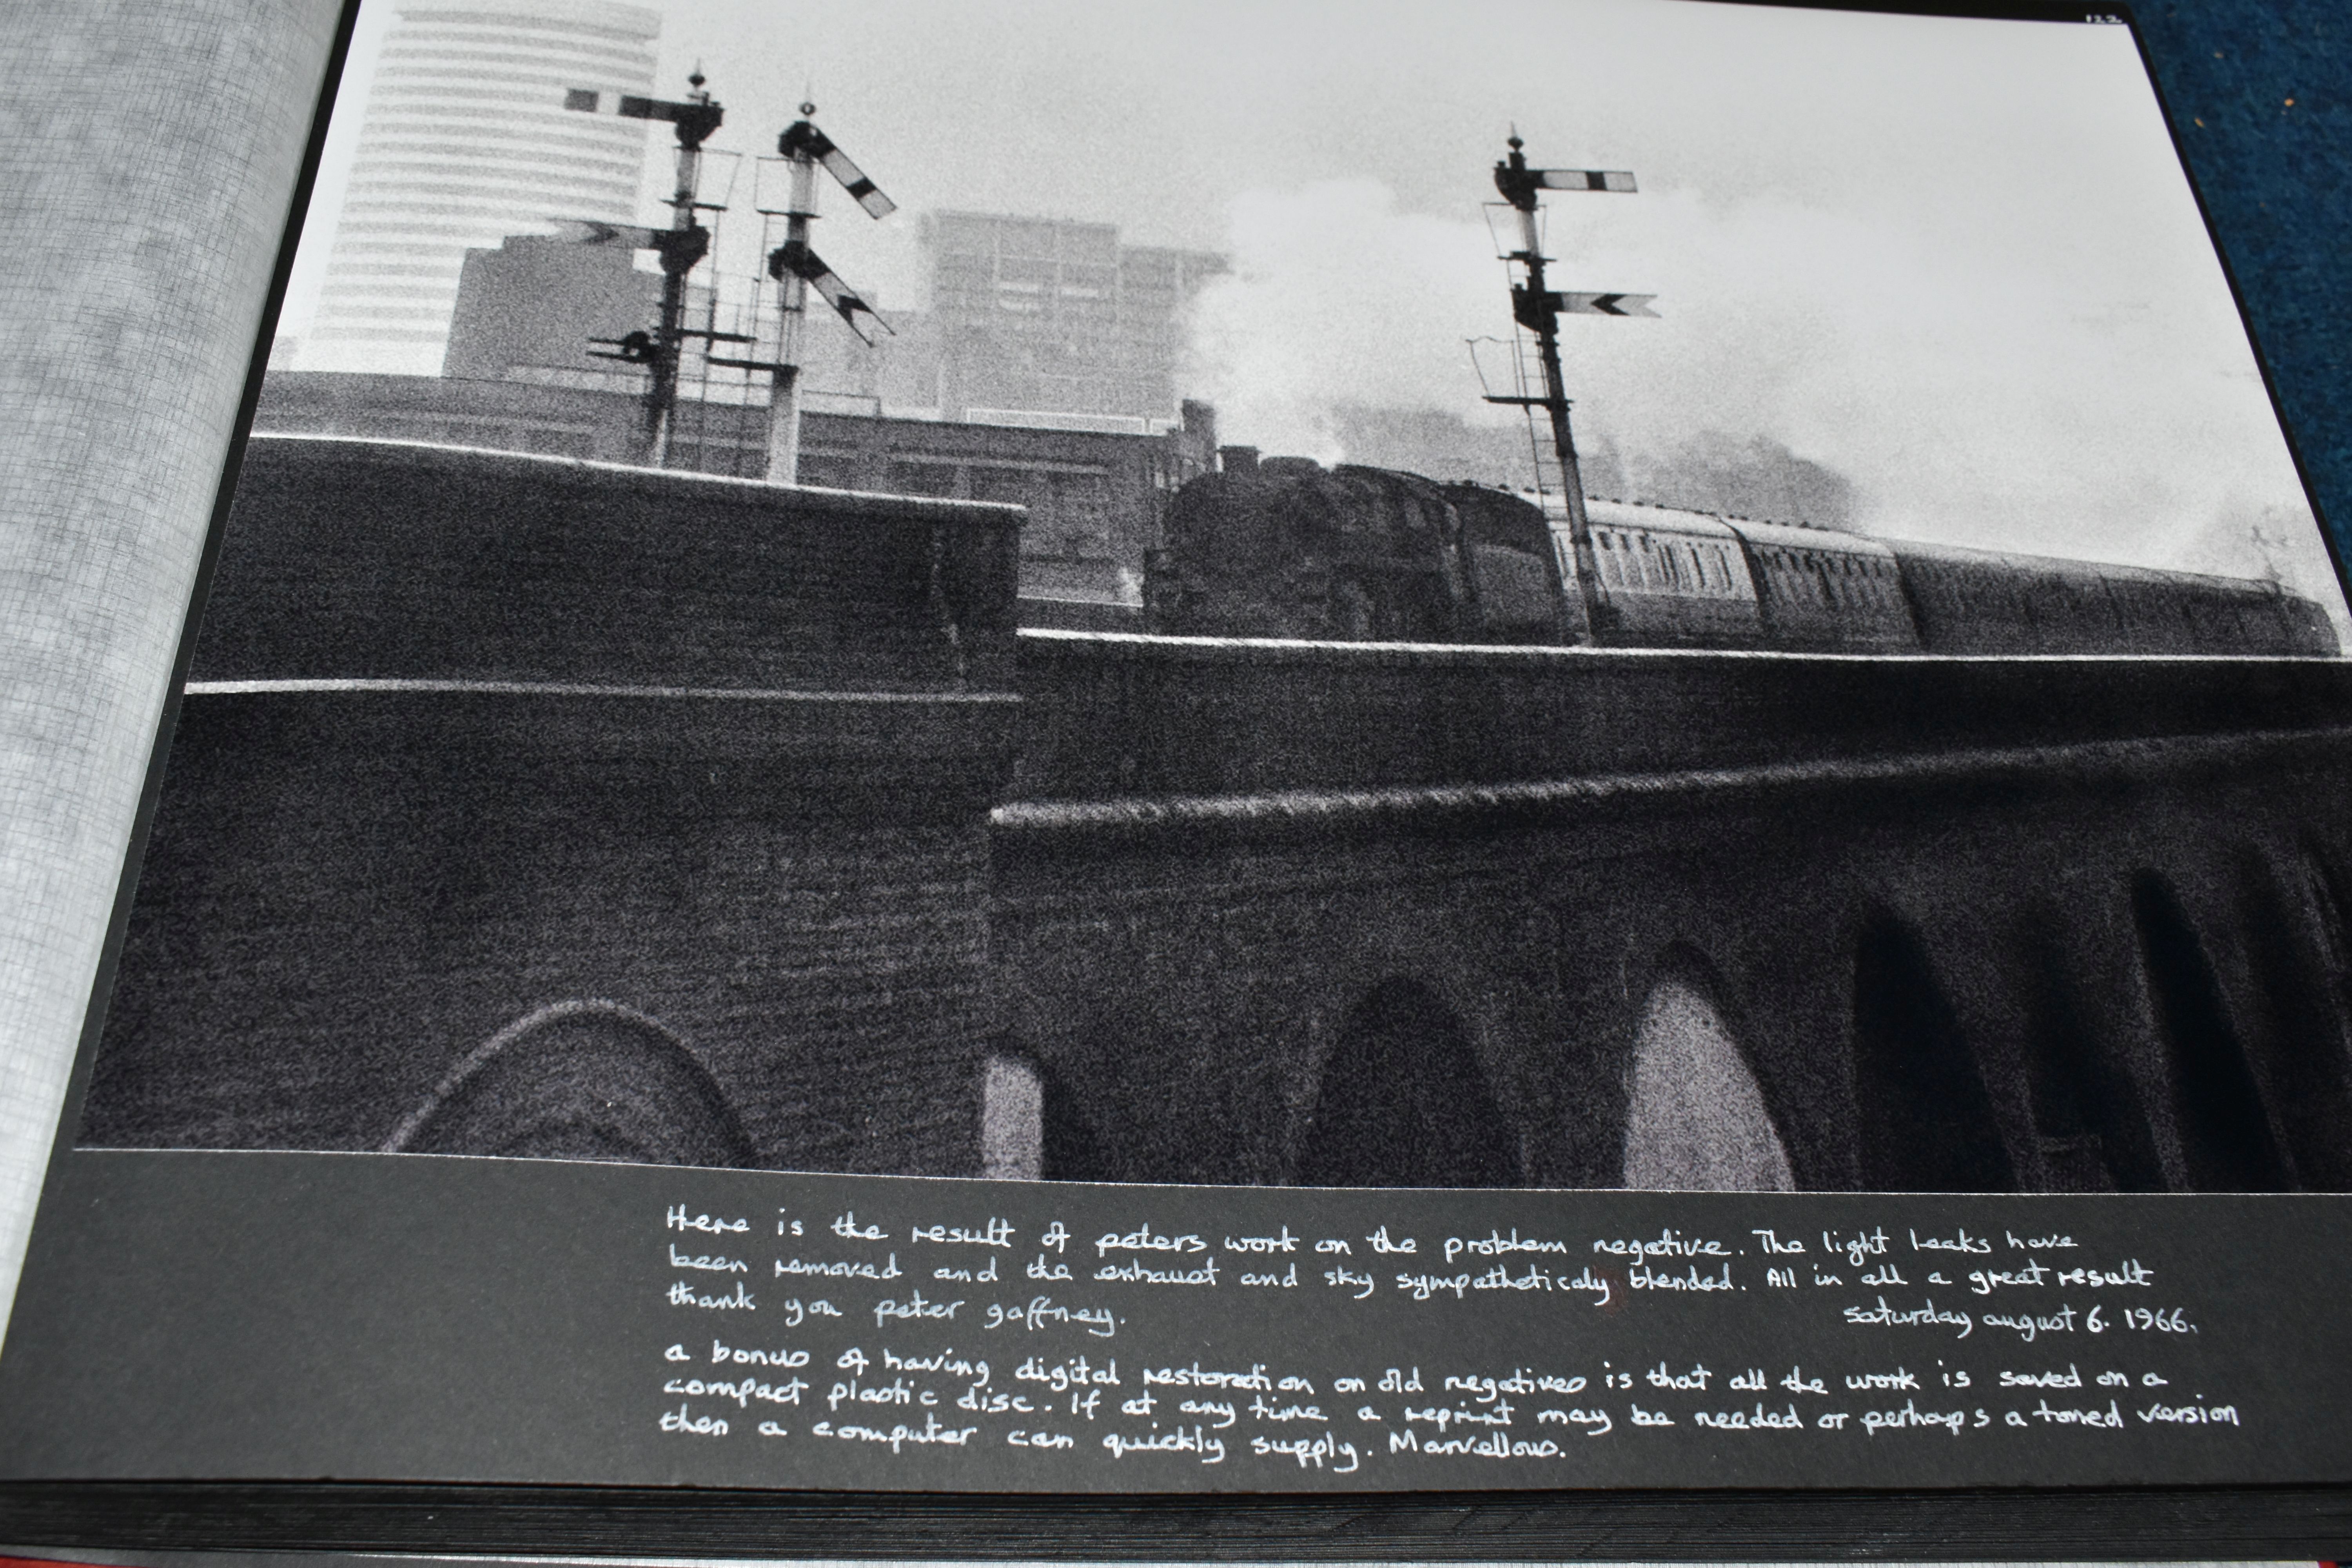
(2260, 92)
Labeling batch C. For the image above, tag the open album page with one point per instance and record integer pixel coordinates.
(1226, 751)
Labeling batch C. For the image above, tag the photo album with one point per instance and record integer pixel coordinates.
(1381, 781)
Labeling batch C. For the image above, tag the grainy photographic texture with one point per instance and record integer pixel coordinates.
(1815, 670)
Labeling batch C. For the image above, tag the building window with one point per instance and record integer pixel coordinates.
(1019, 487)
(827, 472)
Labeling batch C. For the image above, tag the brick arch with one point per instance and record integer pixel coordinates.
(2226, 1137)
(1924, 1118)
(2327, 885)
(1032, 1127)
(1403, 1100)
(584, 1080)
(2299, 954)
(1012, 1116)
(2089, 1115)
(2323, 875)
(1697, 1118)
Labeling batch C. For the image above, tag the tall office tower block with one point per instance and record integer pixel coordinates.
(467, 141)
(1036, 316)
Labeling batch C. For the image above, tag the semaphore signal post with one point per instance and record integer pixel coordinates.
(798, 268)
(680, 246)
(1538, 308)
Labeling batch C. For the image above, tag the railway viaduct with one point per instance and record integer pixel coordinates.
(519, 805)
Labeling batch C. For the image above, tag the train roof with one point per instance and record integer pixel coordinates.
(1818, 540)
(1636, 515)
(2067, 566)
(1769, 535)
(1608, 513)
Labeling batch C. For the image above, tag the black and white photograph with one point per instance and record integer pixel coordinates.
(1604, 594)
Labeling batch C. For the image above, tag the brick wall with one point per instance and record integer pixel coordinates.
(471, 733)
(474, 733)
(1215, 855)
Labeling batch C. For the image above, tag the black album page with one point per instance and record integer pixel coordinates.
(1556, 749)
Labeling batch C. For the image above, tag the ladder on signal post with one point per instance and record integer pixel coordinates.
(1537, 308)
(796, 268)
(1510, 372)
(680, 246)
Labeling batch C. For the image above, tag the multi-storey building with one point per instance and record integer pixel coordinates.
(535, 310)
(466, 141)
(1033, 316)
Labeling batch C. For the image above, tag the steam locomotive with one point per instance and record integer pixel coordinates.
(1289, 549)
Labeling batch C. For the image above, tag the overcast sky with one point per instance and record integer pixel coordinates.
(1954, 260)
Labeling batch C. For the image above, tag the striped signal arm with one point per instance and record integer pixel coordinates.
(1617, 180)
(695, 122)
(793, 258)
(802, 139)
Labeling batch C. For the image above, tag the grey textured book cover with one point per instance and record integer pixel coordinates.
(151, 151)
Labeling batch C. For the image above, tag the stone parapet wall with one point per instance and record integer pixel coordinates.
(388, 559)
(1111, 716)
(471, 735)
(1997, 923)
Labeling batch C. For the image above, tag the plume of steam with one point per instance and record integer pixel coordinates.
(1809, 365)
(1438, 444)
(1336, 300)
(1340, 331)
